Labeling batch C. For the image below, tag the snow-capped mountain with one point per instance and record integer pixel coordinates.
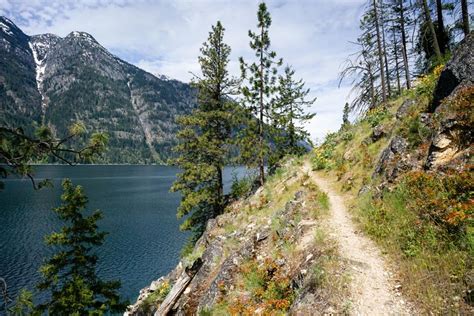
(46, 79)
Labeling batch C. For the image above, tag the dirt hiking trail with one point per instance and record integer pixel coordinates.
(373, 292)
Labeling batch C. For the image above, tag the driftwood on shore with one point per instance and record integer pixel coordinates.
(178, 288)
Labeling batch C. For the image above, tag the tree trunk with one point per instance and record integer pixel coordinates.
(432, 30)
(372, 87)
(387, 72)
(220, 191)
(178, 288)
(404, 45)
(465, 18)
(441, 37)
(291, 131)
(260, 125)
(395, 50)
(379, 46)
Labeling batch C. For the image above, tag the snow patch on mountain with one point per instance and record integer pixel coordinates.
(40, 69)
(5, 28)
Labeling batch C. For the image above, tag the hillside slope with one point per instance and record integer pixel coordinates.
(409, 166)
(269, 253)
(46, 79)
(401, 176)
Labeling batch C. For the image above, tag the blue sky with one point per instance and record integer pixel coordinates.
(164, 37)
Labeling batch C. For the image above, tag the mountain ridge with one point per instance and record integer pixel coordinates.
(56, 81)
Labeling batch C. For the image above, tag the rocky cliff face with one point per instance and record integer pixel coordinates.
(20, 101)
(46, 79)
(444, 129)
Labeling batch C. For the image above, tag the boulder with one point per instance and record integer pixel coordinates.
(405, 108)
(459, 72)
(379, 132)
(393, 160)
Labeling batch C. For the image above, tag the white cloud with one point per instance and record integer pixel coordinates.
(164, 37)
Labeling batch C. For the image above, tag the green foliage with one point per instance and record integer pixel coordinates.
(157, 297)
(204, 138)
(18, 150)
(192, 256)
(446, 200)
(415, 131)
(323, 200)
(289, 116)
(345, 116)
(377, 115)
(321, 157)
(426, 83)
(427, 218)
(241, 187)
(69, 275)
(23, 305)
(268, 286)
(347, 136)
(257, 94)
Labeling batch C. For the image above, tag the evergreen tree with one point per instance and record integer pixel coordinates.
(289, 116)
(401, 19)
(204, 137)
(70, 275)
(345, 116)
(257, 95)
(23, 305)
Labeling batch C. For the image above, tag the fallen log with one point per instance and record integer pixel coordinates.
(178, 288)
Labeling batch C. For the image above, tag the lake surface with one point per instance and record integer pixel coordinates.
(144, 240)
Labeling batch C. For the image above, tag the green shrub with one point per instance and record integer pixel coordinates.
(375, 116)
(322, 155)
(347, 136)
(426, 222)
(241, 187)
(426, 84)
(157, 297)
(269, 288)
(415, 131)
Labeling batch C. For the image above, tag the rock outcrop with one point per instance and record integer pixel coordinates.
(459, 72)
(450, 123)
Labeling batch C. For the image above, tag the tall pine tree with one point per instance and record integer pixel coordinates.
(261, 78)
(204, 137)
(69, 275)
(289, 116)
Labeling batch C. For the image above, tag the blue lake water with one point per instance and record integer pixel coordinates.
(144, 240)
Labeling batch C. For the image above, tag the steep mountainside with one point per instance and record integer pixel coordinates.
(57, 81)
(403, 170)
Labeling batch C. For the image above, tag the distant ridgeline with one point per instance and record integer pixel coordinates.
(46, 79)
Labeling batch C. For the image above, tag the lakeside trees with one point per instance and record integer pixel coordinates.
(289, 113)
(205, 137)
(258, 118)
(70, 275)
(261, 76)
